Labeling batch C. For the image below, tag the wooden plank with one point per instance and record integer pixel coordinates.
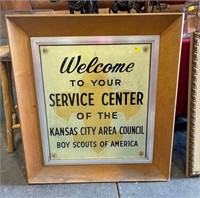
(17, 5)
(27, 103)
(33, 27)
(45, 4)
(98, 173)
(6, 5)
(8, 103)
(20, 5)
(167, 92)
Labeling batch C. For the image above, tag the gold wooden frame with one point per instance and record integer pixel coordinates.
(168, 26)
(193, 129)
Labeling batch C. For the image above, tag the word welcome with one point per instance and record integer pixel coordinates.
(94, 66)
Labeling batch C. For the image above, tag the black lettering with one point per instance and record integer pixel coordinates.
(140, 97)
(67, 69)
(51, 98)
(93, 66)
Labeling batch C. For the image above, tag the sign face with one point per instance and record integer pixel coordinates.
(96, 98)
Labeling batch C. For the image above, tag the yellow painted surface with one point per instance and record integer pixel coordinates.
(101, 133)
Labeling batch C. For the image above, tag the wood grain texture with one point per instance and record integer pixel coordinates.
(84, 25)
(6, 5)
(19, 5)
(26, 96)
(168, 73)
(8, 102)
(168, 26)
(16, 5)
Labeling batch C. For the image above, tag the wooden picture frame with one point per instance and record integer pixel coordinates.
(193, 129)
(169, 28)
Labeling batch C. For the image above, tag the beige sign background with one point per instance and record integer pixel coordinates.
(96, 115)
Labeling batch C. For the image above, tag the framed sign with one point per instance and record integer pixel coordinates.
(193, 135)
(96, 98)
(96, 102)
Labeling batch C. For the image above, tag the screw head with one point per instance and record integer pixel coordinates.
(45, 50)
(145, 49)
(53, 155)
(141, 153)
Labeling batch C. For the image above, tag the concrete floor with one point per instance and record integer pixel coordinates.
(13, 182)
